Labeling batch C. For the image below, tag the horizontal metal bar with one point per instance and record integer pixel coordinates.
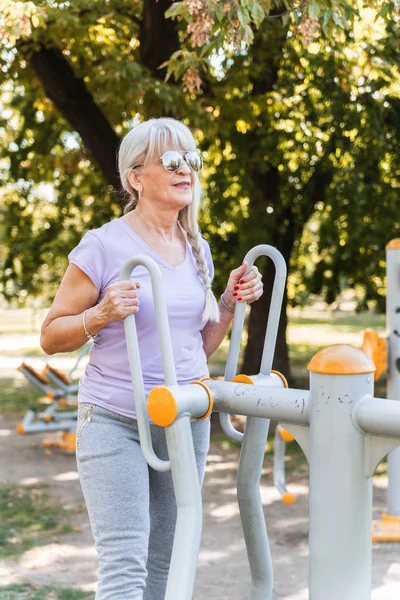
(252, 400)
(378, 416)
(260, 401)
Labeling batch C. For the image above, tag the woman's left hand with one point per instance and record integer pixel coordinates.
(243, 288)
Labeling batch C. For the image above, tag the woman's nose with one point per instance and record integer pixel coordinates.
(184, 169)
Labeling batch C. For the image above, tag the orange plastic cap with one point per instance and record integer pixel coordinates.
(242, 379)
(288, 498)
(393, 244)
(341, 359)
(162, 406)
(285, 435)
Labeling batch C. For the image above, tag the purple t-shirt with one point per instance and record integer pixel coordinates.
(107, 381)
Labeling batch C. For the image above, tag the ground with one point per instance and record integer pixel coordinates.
(223, 572)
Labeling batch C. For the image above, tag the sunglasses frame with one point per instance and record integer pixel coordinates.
(183, 157)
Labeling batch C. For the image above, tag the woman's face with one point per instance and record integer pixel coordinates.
(166, 189)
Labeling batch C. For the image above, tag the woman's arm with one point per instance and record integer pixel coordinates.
(240, 288)
(62, 329)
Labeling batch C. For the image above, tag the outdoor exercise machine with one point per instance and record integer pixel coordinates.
(343, 430)
(61, 390)
(384, 350)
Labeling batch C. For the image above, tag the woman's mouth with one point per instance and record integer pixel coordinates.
(182, 186)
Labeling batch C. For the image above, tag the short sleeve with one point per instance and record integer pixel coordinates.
(90, 256)
(207, 253)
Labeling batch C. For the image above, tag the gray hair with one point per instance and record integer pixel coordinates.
(140, 145)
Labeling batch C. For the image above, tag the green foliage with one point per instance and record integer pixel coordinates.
(301, 142)
(52, 190)
(29, 518)
(321, 142)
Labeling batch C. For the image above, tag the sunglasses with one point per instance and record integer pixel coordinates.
(172, 160)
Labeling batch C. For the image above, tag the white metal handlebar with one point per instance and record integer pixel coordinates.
(134, 355)
(271, 331)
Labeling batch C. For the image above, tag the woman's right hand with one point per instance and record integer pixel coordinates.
(121, 300)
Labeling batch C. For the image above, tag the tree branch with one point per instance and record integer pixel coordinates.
(72, 98)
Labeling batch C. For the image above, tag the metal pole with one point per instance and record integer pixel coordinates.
(340, 491)
(182, 570)
(251, 509)
(393, 381)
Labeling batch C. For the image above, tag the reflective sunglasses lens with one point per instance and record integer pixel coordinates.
(171, 160)
(194, 160)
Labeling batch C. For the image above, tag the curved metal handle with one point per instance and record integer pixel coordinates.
(134, 355)
(278, 291)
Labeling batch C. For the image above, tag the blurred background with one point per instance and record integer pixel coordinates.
(295, 107)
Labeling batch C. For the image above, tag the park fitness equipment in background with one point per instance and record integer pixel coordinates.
(343, 430)
(61, 391)
(385, 353)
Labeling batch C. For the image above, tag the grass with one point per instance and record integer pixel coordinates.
(29, 517)
(21, 320)
(28, 591)
(17, 395)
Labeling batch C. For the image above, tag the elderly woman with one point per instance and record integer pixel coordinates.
(131, 507)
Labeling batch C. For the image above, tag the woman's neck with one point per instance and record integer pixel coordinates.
(164, 226)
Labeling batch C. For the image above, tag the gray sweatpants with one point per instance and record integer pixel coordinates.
(131, 506)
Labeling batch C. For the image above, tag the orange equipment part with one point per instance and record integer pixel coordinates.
(376, 347)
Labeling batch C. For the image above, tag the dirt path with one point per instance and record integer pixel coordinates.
(223, 572)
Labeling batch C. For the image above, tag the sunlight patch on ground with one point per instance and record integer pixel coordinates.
(69, 476)
(40, 560)
(207, 556)
(29, 481)
(5, 432)
(301, 595)
(224, 512)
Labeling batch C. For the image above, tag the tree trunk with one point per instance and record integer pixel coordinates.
(72, 98)
(158, 36)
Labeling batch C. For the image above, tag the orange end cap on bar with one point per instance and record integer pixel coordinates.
(162, 406)
(341, 359)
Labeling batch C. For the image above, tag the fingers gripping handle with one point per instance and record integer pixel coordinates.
(271, 331)
(134, 355)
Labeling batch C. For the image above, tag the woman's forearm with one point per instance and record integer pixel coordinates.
(67, 334)
(214, 333)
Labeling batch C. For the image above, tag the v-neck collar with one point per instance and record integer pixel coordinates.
(151, 250)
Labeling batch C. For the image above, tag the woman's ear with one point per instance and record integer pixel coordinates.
(134, 179)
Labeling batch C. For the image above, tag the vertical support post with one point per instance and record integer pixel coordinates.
(340, 490)
(182, 570)
(393, 381)
(251, 509)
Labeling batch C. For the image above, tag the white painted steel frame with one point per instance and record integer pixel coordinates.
(393, 382)
(341, 413)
